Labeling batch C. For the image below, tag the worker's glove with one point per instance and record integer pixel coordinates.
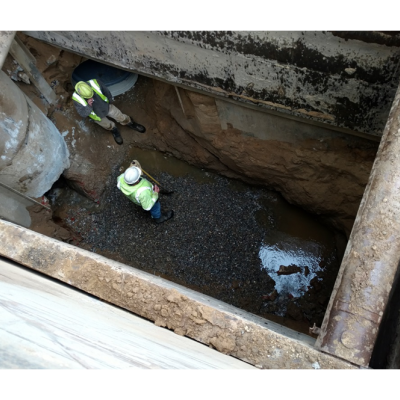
(135, 163)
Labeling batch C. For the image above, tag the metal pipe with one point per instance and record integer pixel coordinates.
(23, 196)
(6, 38)
(365, 278)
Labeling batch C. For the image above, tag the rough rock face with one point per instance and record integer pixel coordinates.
(325, 175)
(42, 222)
(92, 152)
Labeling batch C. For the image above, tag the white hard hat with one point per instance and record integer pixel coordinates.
(132, 175)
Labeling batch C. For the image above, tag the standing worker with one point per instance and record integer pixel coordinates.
(92, 99)
(141, 192)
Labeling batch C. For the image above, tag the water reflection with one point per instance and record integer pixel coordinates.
(291, 251)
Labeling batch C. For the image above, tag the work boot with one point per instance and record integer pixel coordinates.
(117, 135)
(136, 127)
(164, 217)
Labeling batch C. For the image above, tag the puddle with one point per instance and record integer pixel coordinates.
(299, 253)
(290, 251)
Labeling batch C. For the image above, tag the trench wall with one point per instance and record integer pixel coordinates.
(320, 169)
(304, 159)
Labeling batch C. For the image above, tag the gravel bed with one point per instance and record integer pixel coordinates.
(211, 244)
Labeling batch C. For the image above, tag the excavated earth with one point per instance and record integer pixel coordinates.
(213, 244)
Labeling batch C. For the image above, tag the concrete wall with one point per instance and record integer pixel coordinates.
(344, 79)
(33, 152)
(48, 325)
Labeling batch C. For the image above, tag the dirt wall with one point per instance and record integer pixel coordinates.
(319, 170)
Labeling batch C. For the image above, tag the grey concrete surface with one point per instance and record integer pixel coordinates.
(228, 329)
(34, 154)
(13, 207)
(268, 126)
(6, 38)
(14, 119)
(47, 325)
(343, 79)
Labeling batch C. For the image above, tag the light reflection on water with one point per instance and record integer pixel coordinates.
(291, 251)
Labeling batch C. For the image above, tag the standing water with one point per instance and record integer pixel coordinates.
(238, 243)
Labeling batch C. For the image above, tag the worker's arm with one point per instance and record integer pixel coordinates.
(82, 110)
(148, 199)
(105, 91)
(119, 182)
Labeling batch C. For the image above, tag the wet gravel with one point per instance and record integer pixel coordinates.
(211, 245)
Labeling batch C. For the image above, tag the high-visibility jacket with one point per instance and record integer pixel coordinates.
(96, 88)
(141, 194)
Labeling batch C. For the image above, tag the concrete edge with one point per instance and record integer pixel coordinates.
(231, 331)
(6, 38)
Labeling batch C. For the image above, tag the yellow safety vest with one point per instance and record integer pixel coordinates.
(96, 87)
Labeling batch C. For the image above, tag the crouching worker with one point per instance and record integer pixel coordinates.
(93, 99)
(141, 192)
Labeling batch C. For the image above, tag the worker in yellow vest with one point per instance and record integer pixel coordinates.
(141, 192)
(92, 99)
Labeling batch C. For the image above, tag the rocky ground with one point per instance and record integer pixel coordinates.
(211, 245)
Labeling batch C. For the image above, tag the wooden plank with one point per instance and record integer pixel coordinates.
(27, 62)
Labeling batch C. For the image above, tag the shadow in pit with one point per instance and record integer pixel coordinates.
(386, 354)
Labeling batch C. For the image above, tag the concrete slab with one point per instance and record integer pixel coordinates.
(48, 325)
(300, 73)
(228, 329)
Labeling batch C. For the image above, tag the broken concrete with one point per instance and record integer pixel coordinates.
(231, 331)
